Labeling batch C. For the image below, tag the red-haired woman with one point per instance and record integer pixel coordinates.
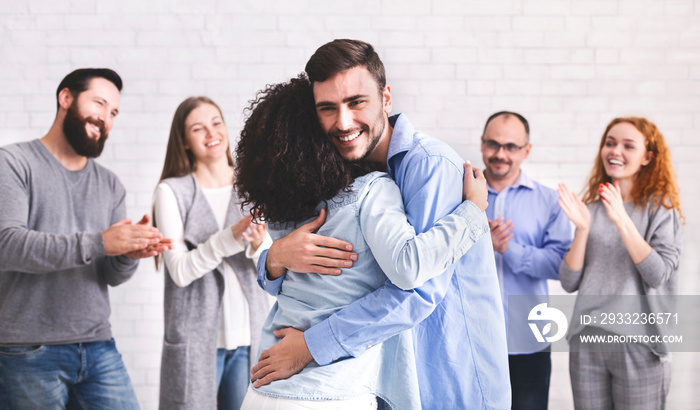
(627, 242)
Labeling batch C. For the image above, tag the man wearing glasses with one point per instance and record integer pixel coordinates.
(530, 235)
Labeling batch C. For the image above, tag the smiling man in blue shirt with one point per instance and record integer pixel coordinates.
(457, 317)
(530, 236)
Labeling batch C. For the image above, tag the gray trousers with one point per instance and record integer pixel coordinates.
(634, 379)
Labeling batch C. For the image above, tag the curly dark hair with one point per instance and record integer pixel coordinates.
(285, 164)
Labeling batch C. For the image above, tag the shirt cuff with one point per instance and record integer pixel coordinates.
(570, 279)
(473, 215)
(268, 285)
(564, 269)
(322, 344)
(513, 256)
(92, 246)
(271, 286)
(126, 262)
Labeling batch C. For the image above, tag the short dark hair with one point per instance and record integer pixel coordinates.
(508, 114)
(78, 80)
(343, 54)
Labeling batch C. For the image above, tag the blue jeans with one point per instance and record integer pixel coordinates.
(529, 380)
(232, 377)
(70, 376)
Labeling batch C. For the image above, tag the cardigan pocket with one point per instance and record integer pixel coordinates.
(174, 372)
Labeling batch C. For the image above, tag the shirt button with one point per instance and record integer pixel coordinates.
(369, 346)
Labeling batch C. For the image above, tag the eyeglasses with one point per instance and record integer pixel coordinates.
(510, 148)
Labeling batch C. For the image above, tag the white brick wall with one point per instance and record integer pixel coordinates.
(568, 65)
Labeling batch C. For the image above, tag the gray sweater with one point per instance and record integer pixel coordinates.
(609, 271)
(53, 269)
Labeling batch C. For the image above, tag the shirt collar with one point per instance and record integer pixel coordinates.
(402, 135)
(522, 181)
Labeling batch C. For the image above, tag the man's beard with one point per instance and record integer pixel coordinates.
(374, 139)
(76, 133)
(497, 161)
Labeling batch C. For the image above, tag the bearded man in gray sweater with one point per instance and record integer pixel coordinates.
(63, 240)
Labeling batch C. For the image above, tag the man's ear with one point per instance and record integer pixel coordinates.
(386, 96)
(65, 98)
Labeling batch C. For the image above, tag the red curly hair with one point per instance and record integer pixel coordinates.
(656, 181)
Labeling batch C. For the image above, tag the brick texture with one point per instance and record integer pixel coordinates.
(570, 66)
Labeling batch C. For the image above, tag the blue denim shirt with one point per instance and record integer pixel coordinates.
(541, 236)
(372, 217)
(457, 317)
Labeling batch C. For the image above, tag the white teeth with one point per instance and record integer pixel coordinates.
(95, 127)
(615, 162)
(350, 137)
(213, 143)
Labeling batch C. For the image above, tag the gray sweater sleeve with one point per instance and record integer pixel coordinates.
(37, 252)
(118, 269)
(570, 279)
(664, 236)
(24, 250)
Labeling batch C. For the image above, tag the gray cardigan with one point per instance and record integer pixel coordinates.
(188, 366)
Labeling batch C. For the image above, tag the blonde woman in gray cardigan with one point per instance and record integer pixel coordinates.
(214, 309)
(627, 242)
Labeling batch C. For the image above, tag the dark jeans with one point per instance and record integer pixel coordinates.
(70, 376)
(529, 380)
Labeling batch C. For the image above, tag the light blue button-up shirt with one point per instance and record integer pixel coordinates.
(372, 217)
(457, 317)
(541, 236)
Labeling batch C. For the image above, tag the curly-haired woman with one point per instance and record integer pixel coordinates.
(289, 171)
(627, 242)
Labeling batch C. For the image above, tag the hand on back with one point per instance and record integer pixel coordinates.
(306, 252)
(474, 189)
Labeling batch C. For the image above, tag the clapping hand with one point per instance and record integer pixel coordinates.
(255, 235)
(134, 240)
(501, 234)
(611, 196)
(574, 208)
